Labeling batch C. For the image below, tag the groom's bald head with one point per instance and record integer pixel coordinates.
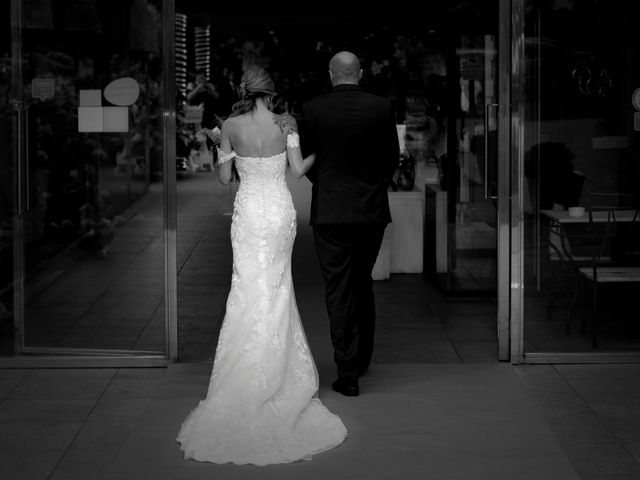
(344, 67)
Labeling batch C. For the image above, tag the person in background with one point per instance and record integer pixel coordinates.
(204, 93)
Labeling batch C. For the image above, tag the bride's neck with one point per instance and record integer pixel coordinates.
(261, 105)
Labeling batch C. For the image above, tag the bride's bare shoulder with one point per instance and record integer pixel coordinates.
(231, 122)
(286, 122)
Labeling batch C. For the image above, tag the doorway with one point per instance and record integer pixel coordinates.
(441, 71)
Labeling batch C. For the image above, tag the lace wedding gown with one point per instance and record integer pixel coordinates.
(261, 406)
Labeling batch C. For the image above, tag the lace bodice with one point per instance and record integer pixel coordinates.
(263, 200)
(262, 168)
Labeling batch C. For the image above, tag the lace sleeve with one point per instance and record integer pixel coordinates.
(225, 157)
(293, 140)
(286, 122)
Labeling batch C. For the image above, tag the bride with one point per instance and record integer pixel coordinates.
(262, 405)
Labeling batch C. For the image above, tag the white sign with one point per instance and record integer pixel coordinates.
(90, 98)
(122, 92)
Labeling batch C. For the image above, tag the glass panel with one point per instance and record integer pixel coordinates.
(7, 193)
(92, 213)
(581, 150)
(470, 173)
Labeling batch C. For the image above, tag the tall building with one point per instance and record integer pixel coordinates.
(202, 48)
(181, 53)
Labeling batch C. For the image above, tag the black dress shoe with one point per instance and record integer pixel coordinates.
(346, 388)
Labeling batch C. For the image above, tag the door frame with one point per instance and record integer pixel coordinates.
(504, 221)
(513, 19)
(170, 180)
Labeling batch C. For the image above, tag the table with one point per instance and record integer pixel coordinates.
(562, 217)
(559, 219)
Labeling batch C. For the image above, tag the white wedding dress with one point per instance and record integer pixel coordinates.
(261, 406)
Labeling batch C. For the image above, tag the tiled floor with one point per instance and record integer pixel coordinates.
(435, 370)
(411, 421)
(594, 412)
(121, 424)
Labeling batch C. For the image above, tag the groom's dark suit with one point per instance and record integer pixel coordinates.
(354, 137)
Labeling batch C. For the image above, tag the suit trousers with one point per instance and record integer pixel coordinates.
(347, 254)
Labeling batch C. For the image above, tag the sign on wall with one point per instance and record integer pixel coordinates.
(94, 117)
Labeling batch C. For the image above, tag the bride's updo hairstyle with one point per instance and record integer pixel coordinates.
(255, 83)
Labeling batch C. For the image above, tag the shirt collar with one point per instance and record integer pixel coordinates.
(346, 86)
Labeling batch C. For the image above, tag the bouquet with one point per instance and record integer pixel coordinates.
(212, 134)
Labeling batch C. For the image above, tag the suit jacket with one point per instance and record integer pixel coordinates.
(354, 137)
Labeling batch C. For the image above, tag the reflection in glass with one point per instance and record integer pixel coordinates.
(581, 151)
(7, 192)
(91, 254)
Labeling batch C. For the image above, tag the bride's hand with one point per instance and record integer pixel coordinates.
(213, 135)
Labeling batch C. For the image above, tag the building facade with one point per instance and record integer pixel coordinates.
(519, 160)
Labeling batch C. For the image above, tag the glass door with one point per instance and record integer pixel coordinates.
(578, 147)
(462, 207)
(467, 211)
(89, 242)
(470, 167)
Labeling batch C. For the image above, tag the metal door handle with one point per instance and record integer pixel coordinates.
(27, 162)
(18, 206)
(487, 108)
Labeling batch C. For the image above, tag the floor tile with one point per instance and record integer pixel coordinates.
(40, 386)
(30, 435)
(572, 419)
(123, 387)
(634, 449)
(602, 459)
(543, 378)
(587, 379)
(98, 436)
(118, 409)
(619, 412)
(45, 410)
(28, 464)
(85, 464)
(8, 385)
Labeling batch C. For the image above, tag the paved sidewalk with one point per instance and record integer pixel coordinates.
(410, 422)
(88, 424)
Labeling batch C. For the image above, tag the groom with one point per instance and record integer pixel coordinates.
(354, 137)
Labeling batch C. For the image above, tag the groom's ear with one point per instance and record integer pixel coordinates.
(360, 75)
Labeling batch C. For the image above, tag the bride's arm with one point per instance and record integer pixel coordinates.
(225, 155)
(299, 166)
